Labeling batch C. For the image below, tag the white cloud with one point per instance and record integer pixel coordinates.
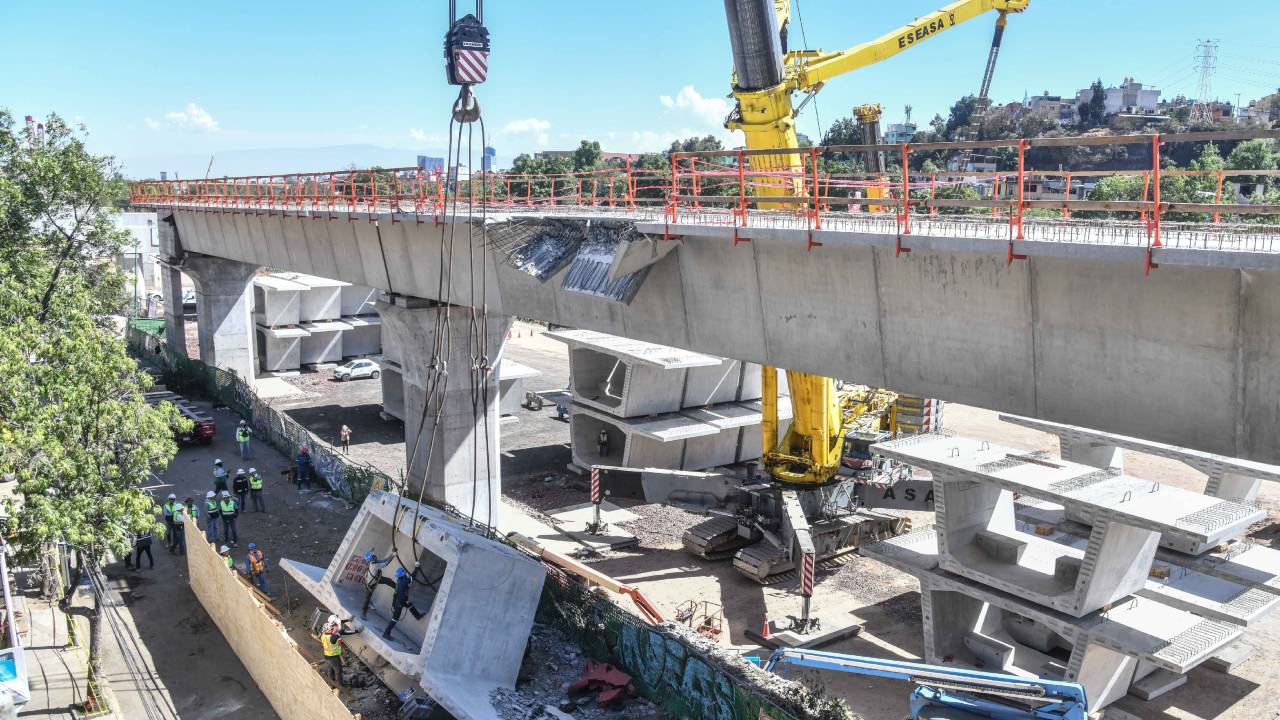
(193, 117)
(707, 111)
(534, 128)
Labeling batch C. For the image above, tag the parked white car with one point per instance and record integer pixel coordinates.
(356, 369)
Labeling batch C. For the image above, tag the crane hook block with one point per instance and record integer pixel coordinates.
(466, 51)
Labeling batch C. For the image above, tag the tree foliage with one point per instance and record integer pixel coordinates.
(75, 431)
(1093, 112)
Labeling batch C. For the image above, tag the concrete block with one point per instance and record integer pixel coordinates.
(1231, 657)
(511, 377)
(277, 300)
(476, 624)
(363, 336)
(358, 300)
(1156, 684)
(279, 349)
(323, 343)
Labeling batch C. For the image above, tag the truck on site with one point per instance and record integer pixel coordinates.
(802, 511)
(203, 427)
(954, 693)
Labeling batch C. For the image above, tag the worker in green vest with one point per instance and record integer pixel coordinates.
(225, 552)
(169, 507)
(331, 641)
(242, 437)
(602, 443)
(185, 514)
(255, 491)
(228, 508)
(211, 514)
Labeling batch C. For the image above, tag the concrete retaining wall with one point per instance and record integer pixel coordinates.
(295, 690)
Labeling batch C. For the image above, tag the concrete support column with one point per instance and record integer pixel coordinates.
(224, 304)
(1091, 453)
(451, 433)
(175, 322)
(1233, 486)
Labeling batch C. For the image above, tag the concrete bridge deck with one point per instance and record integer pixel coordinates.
(1074, 333)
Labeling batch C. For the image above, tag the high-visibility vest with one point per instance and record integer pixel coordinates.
(257, 563)
(231, 564)
(604, 437)
(332, 644)
(242, 434)
(228, 507)
(170, 508)
(255, 482)
(211, 507)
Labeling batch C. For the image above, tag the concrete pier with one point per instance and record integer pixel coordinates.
(224, 303)
(451, 433)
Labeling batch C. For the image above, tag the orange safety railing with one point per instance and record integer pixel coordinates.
(732, 187)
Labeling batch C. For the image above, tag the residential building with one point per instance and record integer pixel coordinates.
(1131, 98)
(140, 261)
(1063, 110)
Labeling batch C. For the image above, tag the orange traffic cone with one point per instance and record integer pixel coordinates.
(764, 632)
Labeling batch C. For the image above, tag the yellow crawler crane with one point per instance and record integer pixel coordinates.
(766, 76)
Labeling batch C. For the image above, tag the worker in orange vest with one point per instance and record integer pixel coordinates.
(255, 567)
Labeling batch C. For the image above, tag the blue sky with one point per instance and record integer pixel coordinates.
(164, 85)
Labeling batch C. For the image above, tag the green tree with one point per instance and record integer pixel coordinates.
(961, 115)
(588, 156)
(1093, 112)
(75, 431)
(1257, 154)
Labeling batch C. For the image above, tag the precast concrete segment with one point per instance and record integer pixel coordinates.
(968, 622)
(224, 298)
(453, 460)
(1175, 512)
(1074, 333)
(473, 636)
(1229, 477)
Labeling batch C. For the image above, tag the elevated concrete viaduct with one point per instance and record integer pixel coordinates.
(1070, 331)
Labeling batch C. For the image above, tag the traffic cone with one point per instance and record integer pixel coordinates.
(764, 632)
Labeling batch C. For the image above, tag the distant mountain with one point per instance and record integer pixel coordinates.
(267, 161)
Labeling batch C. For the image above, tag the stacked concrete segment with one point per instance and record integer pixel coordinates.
(1006, 593)
(478, 595)
(308, 320)
(660, 407)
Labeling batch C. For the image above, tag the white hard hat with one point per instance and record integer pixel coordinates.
(218, 461)
(242, 422)
(224, 549)
(226, 493)
(209, 494)
(253, 470)
(239, 471)
(333, 620)
(172, 496)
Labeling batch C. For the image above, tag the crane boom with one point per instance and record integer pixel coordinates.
(765, 76)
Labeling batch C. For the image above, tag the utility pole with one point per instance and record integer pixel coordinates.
(1206, 62)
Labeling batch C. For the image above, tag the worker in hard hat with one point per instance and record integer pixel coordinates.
(255, 491)
(331, 641)
(169, 507)
(303, 463)
(212, 513)
(229, 510)
(602, 443)
(240, 486)
(243, 431)
(255, 567)
(219, 476)
(185, 514)
(400, 601)
(225, 552)
(372, 579)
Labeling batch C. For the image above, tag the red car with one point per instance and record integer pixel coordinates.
(203, 427)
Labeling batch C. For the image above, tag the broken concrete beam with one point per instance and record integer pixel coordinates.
(478, 597)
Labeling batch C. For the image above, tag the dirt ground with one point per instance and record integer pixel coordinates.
(885, 601)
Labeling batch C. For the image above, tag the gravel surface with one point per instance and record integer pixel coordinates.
(660, 526)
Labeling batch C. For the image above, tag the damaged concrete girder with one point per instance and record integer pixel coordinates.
(1050, 337)
(472, 637)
